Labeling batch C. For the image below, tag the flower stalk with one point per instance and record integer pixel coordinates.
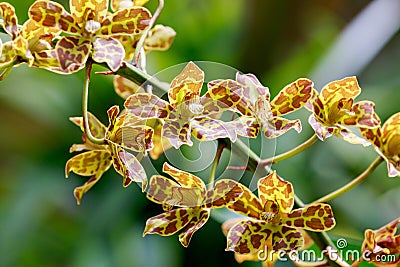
(220, 149)
(308, 143)
(359, 179)
(85, 98)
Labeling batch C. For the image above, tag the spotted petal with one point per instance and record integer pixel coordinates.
(200, 217)
(47, 59)
(8, 54)
(160, 189)
(362, 115)
(252, 87)
(39, 38)
(127, 21)
(227, 94)
(387, 231)
(373, 135)
(391, 127)
(125, 88)
(109, 51)
(225, 191)
(146, 106)
(248, 236)
(390, 144)
(159, 38)
(293, 97)
(351, 137)
(10, 20)
(245, 126)
(272, 187)
(52, 14)
(287, 239)
(186, 85)
(81, 190)
(334, 91)
(247, 204)
(72, 53)
(276, 126)
(315, 217)
(21, 47)
(185, 179)
(320, 130)
(168, 223)
(128, 166)
(167, 192)
(89, 163)
(207, 129)
(82, 9)
(177, 132)
(136, 138)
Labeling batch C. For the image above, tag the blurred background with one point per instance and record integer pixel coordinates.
(279, 41)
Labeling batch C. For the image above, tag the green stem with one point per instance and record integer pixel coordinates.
(85, 97)
(352, 184)
(220, 149)
(139, 77)
(140, 43)
(291, 152)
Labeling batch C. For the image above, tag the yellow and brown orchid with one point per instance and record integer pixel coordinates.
(192, 199)
(267, 256)
(271, 219)
(334, 109)
(120, 134)
(382, 246)
(158, 38)
(91, 29)
(29, 44)
(386, 140)
(187, 110)
(125, 88)
(258, 108)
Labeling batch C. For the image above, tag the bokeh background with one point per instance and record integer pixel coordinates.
(279, 41)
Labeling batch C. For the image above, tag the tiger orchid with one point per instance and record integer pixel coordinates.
(334, 109)
(91, 30)
(262, 111)
(99, 158)
(186, 109)
(192, 199)
(158, 38)
(386, 140)
(379, 244)
(271, 219)
(125, 88)
(29, 44)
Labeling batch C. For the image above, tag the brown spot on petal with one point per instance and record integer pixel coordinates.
(315, 224)
(310, 211)
(299, 222)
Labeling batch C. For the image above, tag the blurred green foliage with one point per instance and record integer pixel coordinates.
(279, 41)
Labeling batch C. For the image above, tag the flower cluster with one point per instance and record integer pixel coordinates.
(66, 42)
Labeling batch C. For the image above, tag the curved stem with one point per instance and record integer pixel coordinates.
(359, 179)
(140, 44)
(85, 97)
(220, 149)
(138, 76)
(291, 152)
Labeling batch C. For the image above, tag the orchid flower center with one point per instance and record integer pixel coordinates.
(92, 26)
(195, 107)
